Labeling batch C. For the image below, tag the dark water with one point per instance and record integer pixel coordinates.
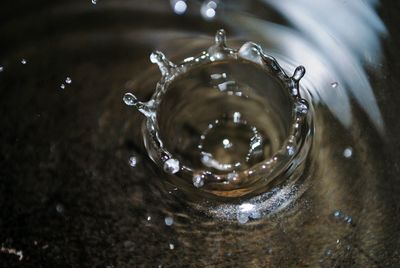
(69, 197)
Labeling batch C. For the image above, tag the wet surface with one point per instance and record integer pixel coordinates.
(70, 197)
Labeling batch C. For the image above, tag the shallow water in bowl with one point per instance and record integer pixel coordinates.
(72, 196)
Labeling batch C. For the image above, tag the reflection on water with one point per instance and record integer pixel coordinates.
(334, 40)
(73, 148)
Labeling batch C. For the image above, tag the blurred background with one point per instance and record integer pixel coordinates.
(78, 190)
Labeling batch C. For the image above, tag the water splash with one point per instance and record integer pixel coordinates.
(221, 169)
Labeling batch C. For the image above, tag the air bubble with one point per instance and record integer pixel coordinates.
(171, 166)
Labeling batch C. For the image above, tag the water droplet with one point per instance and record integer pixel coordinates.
(208, 9)
(299, 73)
(334, 84)
(227, 143)
(198, 180)
(338, 214)
(328, 252)
(243, 217)
(23, 61)
(68, 80)
(179, 6)
(148, 218)
(1, 68)
(348, 219)
(94, 2)
(168, 221)
(171, 166)
(232, 176)
(220, 37)
(62, 86)
(301, 108)
(164, 64)
(237, 117)
(133, 161)
(348, 152)
(60, 208)
(130, 99)
(171, 246)
(290, 149)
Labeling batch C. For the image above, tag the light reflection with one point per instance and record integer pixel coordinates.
(334, 40)
(179, 6)
(208, 9)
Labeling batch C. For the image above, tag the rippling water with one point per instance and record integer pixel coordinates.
(77, 187)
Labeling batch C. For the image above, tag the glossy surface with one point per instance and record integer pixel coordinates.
(70, 197)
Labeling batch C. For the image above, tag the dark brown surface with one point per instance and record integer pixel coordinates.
(68, 197)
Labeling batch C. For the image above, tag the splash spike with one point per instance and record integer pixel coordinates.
(143, 107)
(220, 38)
(299, 73)
(163, 63)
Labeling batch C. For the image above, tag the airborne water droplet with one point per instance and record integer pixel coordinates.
(348, 152)
(130, 99)
(334, 84)
(179, 6)
(133, 161)
(171, 166)
(68, 80)
(1, 68)
(23, 61)
(62, 86)
(168, 221)
(208, 9)
(94, 2)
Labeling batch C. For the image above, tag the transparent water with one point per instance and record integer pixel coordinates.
(73, 147)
